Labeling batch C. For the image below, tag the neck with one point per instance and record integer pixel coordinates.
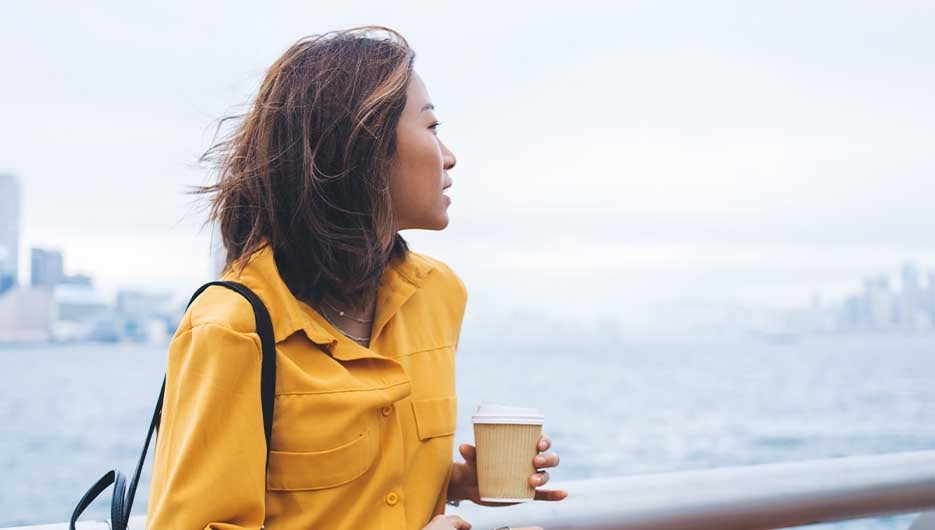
(350, 325)
(362, 309)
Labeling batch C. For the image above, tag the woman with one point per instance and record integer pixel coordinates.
(338, 153)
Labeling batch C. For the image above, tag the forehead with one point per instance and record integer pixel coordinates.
(417, 95)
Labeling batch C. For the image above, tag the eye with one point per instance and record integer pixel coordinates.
(434, 126)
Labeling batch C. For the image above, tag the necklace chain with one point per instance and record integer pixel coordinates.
(343, 315)
(339, 328)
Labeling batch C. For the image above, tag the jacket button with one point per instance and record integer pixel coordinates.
(391, 498)
(387, 411)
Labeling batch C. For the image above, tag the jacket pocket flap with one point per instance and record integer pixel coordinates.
(291, 471)
(435, 416)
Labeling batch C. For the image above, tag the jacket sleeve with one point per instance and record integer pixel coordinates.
(209, 469)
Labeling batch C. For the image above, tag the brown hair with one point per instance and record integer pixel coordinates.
(306, 168)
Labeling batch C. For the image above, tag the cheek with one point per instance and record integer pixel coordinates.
(416, 183)
(420, 166)
(429, 157)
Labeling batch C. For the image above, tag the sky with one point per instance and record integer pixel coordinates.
(637, 160)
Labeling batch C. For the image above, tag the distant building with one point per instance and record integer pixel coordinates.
(879, 308)
(138, 303)
(25, 315)
(853, 313)
(924, 302)
(9, 231)
(82, 313)
(79, 302)
(144, 316)
(911, 311)
(47, 268)
(77, 279)
(910, 278)
(880, 302)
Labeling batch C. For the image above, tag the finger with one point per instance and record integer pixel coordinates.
(467, 451)
(546, 460)
(539, 479)
(458, 522)
(497, 504)
(550, 495)
(544, 442)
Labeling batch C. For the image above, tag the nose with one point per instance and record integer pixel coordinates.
(447, 157)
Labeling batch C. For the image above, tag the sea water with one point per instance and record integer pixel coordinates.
(68, 413)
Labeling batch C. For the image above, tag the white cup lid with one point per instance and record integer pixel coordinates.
(500, 413)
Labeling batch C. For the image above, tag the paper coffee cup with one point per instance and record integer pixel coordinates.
(507, 440)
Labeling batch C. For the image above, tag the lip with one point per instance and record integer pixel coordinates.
(447, 198)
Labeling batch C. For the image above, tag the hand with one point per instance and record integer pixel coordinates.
(447, 522)
(463, 484)
(453, 522)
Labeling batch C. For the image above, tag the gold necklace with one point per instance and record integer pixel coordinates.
(342, 313)
(360, 339)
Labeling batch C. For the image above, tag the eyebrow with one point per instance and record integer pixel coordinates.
(428, 106)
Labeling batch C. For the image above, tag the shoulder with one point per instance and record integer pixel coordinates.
(220, 307)
(215, 347)
(448, 296)
(443, 275)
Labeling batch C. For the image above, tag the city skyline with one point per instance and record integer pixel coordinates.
(111, 291)
(9, 230)
(627, 158)
(876, 308)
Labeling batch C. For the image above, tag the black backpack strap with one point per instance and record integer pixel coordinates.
(264, 328)
(111, 477)
(122, 500)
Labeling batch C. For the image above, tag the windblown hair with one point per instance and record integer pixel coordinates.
(306, 169)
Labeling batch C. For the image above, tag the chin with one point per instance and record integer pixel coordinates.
(438, 222)
(441, 223)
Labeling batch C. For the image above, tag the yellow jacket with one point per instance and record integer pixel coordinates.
(362, 437)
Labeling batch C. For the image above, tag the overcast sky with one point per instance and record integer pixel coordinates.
(611, 156)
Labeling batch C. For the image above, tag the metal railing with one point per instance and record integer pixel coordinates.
(749, 497)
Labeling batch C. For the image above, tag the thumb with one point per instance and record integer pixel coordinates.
(467, 451)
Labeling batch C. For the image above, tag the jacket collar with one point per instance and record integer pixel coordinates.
(401, 279)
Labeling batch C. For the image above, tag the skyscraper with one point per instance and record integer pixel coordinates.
(9, 231)
(47, 268)
(910, 277)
